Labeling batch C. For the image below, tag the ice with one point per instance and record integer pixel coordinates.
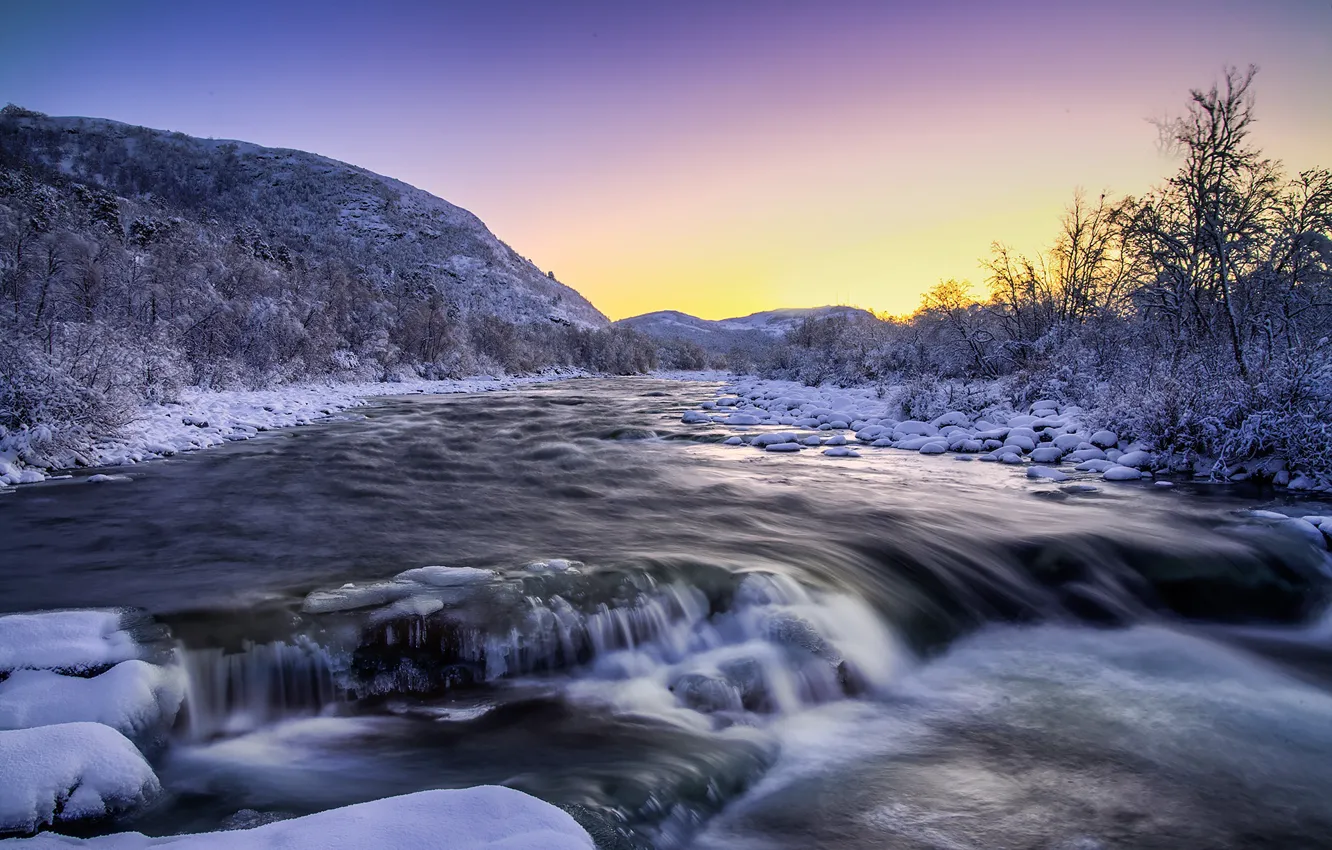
(448, 576)
(350, 597)
(65, 640)
(1121, 473)
(133, 697)
(69, 772)
(487, 817)
(553, 565)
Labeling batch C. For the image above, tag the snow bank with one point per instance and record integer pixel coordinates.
(69, 772)
(133, 697)
(483, 818)
(73, 641)
(210, 418)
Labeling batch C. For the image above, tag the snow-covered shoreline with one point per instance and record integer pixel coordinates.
(207, 418)
(1043, 436)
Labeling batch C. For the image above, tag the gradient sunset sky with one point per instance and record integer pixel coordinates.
(712, 157)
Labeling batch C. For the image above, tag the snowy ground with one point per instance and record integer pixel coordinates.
(210, 418)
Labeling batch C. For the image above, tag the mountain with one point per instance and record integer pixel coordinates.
(136, 262)
(286, 203)
(721, 335)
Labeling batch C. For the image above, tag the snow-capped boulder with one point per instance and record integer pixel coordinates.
(1067, 442)
(69, 772)
(1020, 441)
(1094, 465)
(78, 641)
(1136, 459)
(913, 428)
(137, 699)
(1082, 455)
(1047, 454)
(1105, 439)
(914, 444)
(936, 447)
(1121, 473)
(782, 448)
(841, 451)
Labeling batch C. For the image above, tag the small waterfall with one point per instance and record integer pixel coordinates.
(229, 693)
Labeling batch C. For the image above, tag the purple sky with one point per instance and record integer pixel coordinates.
(718, 158)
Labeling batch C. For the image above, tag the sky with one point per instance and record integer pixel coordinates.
(717, 158)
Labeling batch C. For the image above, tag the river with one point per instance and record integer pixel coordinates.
(698, 645)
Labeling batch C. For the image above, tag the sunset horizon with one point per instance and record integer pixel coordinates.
(634, 153)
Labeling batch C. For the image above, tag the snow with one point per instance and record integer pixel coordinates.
(133, 697)
(483, 818)
(69, 772)
(65, 640)
(1137, 459)
(203, 419)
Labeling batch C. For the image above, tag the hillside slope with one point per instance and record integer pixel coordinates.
(287, 202)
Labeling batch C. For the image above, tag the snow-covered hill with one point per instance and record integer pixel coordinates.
(287, 202)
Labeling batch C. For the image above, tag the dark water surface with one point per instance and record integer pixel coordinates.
(755, 651)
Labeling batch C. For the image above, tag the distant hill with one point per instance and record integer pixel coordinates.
(722, 335)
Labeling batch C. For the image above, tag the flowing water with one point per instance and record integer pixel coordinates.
(692, 645)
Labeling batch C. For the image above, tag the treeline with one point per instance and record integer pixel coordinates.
(1197, 315)
(107, 301)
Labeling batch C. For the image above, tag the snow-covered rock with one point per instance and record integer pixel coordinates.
(71, 641)
(783, 447)
(1094, 466)
(1136, 459)
(935, 447)
(913, 428)
(482, 818)
(1121, 473)
(1104, 439)
(134, 697)
(841, 451)
(69, 772)
(1047, 454)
